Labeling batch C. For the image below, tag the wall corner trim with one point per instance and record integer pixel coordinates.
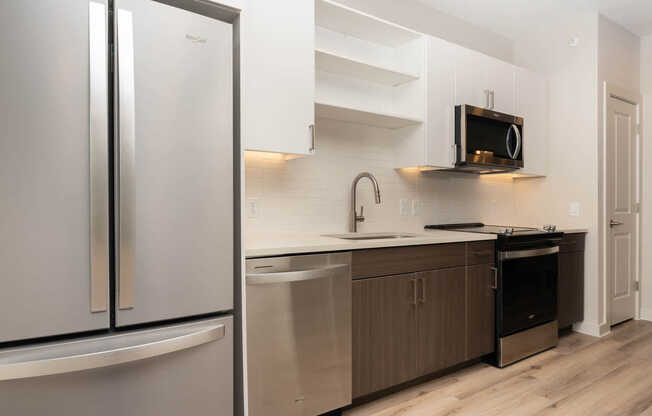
(646, 314)
(591, 328)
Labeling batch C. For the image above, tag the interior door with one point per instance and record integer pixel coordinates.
(622, 196)
(53, 168)
(175, 170)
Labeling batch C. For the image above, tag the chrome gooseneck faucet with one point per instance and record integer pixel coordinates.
(360, 218)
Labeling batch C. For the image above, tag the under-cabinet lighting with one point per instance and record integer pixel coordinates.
(258, 155)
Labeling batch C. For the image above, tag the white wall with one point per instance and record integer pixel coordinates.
(646, 203)
(572, 74)
(424, 19)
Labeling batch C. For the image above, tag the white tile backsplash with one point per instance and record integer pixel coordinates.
(314, 193)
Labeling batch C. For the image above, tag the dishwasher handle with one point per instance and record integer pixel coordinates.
(298, 275)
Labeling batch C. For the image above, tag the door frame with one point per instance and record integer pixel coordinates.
(613, 91)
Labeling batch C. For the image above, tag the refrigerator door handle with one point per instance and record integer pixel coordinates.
(99, 156)
(126, 142)
(98, 353)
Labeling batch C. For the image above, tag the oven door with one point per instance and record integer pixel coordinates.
(527, 289)
(486, 138)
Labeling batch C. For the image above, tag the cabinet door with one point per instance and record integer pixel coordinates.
(278, 75)
(570, 288)
(384, 332)
(481, 310)
(502, 84)
(441, 103)
(441, 319)
(532, 105)
(471, 77)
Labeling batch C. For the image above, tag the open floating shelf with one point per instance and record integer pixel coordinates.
(360, 116)
(351, 22)
(332, 62)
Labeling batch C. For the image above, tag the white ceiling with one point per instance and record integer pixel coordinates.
(508, 17)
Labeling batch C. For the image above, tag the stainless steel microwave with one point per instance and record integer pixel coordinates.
(487, 141)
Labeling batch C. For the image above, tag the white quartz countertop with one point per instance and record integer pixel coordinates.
(277, 244)
(573, 230)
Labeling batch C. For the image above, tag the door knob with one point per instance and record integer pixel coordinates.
(614, 223)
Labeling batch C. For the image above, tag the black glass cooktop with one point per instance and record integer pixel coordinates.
(478, 227)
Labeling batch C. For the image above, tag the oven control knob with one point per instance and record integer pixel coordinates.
(509, 230)
(550, 228)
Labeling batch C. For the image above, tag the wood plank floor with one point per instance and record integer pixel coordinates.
(582, 376)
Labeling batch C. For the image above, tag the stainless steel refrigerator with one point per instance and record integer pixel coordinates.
(116, 209)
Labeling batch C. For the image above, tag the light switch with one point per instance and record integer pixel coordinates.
(574, 209)
(252, 208)
(405, 207)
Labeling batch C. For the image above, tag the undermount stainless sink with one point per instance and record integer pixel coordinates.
(370, 236)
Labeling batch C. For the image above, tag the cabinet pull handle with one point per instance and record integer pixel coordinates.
(423, 290)
(495, 270)
(487, 95)
(493, 99)
(413, 282)
(312, 138)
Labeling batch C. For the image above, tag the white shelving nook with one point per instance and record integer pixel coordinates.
(368, 71)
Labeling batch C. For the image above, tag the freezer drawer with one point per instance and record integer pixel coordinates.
(299, 334)
(170, 371)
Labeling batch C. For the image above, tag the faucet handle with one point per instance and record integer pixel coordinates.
(360, 218)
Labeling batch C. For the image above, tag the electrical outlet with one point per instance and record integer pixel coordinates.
(252, 208)
(574, 209)
(405, 207)
(416, 207)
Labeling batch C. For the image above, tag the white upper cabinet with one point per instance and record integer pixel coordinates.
(440, 128)
(483, 81)
(278, 76)
(456, 76)
(471, 77)
(532, 105)
(502, 85)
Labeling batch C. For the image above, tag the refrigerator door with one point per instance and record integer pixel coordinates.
(53, 168)
(174, 142)
(169, 371)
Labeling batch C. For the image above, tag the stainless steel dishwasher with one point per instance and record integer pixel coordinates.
(299, 334)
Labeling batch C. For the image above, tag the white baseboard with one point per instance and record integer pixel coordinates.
(646, 314)
(593, 329)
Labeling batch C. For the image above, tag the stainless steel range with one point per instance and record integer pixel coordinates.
(526, 290)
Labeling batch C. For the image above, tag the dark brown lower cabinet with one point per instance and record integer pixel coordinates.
(410, 325)
(570, 288)
(441, 319)
(481, 310)
(384, 332)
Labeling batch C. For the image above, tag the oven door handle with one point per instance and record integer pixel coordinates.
(520, 254)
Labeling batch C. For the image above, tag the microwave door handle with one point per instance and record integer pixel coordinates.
(513, 155)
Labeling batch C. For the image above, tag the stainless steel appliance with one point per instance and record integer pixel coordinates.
(299, 334)
(526, 288)
(487, 141)
(149, 125)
